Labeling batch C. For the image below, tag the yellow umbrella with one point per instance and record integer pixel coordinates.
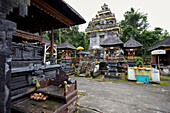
(80, 48)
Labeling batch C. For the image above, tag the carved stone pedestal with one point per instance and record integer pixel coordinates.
(112, 69)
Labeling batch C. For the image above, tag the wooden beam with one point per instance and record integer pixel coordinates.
(51, 11)
(47, 48)
(28, 36)
(166, 49)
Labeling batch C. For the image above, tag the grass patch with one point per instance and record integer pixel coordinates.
(98, 80)
(107, 80)
(104, 80)
(130, 84)
(75, 111)
(88, 77)
(164, 83)
(165, 77)
(82, 93)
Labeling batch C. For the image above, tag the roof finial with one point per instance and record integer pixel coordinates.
(131, 37)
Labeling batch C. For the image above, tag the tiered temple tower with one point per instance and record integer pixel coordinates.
(103, 25)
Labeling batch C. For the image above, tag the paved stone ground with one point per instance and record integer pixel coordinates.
(121, 97)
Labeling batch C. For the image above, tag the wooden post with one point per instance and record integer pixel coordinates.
(65, 34)
(75, 84)
(115, 53)
(158, 62)
(52, 41)
(40, 33)
(45, 52)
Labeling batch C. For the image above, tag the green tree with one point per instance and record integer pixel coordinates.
(72, 34)
(135, 24)
(136, 19)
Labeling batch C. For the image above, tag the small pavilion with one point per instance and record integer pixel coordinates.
(131, 46)
(161, 53)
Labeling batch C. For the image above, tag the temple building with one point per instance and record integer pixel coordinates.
(23, 71)
(102, 26)
(161, 56)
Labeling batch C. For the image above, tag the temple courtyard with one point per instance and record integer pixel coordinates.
(119, 96)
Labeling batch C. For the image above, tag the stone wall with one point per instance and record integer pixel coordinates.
(7, 30)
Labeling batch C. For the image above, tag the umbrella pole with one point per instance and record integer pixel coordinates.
(158, 62)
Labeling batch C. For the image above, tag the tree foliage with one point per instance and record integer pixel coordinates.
(72, 34)
(136, 19)
(135, 24)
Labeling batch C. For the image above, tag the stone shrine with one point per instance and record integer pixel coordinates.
(111, 44)
(66, 50)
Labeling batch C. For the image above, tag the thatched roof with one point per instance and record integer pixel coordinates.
(44, 40)
(161, 44)
(111, 40)
(132, 44)
(66, 46)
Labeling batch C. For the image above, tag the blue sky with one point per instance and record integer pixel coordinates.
(158, 10)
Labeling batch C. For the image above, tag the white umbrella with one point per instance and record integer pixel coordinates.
(96, 47)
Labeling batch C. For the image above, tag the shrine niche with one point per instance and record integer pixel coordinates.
(66, 49)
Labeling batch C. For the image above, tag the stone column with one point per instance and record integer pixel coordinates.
(7, 29)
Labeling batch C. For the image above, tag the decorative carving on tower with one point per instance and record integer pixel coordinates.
(102, 25)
